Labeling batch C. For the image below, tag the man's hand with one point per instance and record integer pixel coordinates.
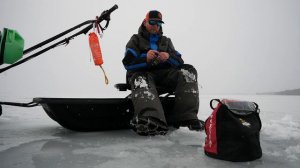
(152, 54)
(163, 56)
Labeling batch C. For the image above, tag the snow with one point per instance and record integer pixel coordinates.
(140, 82)
(188, 76)
(29, 138)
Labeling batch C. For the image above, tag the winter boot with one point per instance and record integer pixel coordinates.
(148, 126)
(193, 125)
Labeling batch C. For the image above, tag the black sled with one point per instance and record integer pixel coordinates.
(84, 114)
(97, 114)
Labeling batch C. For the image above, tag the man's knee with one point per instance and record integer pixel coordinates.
(139, 80)
(189, 73)
(190, 68)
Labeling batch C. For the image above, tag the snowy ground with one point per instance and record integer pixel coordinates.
(29, 138)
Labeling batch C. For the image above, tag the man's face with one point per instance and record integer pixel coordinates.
(153, 29)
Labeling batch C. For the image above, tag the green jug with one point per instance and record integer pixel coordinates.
(1, 55)
(11, 46)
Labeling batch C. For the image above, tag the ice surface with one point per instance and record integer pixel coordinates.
(29, 138)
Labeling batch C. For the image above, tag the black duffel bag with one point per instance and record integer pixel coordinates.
(233, 130)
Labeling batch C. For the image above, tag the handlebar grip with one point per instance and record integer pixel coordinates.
(112, 9)
(106, 14)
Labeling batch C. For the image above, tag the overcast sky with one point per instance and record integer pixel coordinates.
(237, 46)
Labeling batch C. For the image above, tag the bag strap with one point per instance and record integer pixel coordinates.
(211, 106)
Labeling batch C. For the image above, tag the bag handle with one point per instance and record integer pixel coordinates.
(211, 106)
(256, 107)
(219, 101)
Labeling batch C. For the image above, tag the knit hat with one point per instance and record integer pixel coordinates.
(154, 15)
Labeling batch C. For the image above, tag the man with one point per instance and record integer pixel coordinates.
(151, 61)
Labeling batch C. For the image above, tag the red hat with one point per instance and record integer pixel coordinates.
(154, 15)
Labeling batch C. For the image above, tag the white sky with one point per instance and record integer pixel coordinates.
(237, 46)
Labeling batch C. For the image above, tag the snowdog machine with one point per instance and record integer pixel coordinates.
(78, 114)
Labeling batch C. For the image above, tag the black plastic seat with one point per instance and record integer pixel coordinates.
(122, 86)
(160, 90)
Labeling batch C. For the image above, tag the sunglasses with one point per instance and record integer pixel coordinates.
(154, 22)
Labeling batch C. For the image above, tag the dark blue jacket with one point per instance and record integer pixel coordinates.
(138, 46)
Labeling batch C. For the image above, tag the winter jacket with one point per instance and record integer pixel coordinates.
(136, 51)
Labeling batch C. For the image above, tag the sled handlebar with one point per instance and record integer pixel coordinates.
(105, 15)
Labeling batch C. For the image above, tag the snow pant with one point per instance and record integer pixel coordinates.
(182, 81)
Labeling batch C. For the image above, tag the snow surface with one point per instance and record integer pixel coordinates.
(29, 138)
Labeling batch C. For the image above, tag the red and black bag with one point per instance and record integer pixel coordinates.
(233, 130)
